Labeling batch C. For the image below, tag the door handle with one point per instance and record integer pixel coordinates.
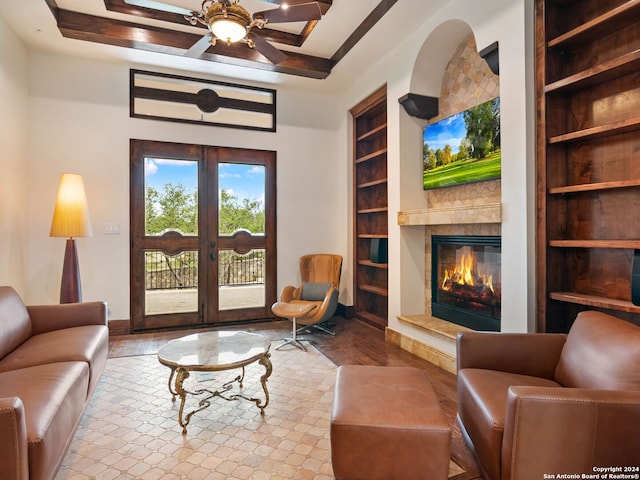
(212, 255)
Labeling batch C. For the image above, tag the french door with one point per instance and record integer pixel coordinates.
(203, 234)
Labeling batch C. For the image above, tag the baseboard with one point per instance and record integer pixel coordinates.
(346, 311)
(123, 327)
(119, 327)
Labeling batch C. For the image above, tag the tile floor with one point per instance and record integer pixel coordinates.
(130, 429)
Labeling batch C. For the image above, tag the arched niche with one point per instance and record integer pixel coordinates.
(433, 57)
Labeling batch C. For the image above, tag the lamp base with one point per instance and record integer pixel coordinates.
(70, 291)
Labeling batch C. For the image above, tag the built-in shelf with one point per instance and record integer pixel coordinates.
(615, 128)
(383, 292)
(619, 17)
(620, 66)
(373, 210)
(589, 187)
(373, 235)
(379, 181)
(369, 263)
(595, 301)
(634, 244)
(382, 129)
(372, 155)
(587, 59)
(371, 223)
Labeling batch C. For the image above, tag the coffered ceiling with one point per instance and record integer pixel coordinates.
(348, 34)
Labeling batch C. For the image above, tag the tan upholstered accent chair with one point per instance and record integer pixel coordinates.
(542, 403)
(315, 300)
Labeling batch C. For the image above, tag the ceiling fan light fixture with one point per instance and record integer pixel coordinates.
(228, 22)
(228, 30)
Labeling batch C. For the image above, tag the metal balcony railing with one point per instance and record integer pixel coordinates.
(165, 271)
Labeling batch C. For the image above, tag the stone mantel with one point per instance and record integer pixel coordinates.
(488, 213)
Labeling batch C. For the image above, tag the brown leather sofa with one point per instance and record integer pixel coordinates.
(536, 404)
(51, 357)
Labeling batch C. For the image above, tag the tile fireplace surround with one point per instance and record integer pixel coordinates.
(450, 220)
(468, 209)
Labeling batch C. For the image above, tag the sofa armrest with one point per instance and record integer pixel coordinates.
(569, 430)
(46, 318)
(14, 456)
(534, 354)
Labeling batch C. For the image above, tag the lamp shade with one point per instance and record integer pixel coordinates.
(71, 213)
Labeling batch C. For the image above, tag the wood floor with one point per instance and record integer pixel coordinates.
(355, 343)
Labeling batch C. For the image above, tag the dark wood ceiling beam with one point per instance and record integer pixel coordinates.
(367, 24)
(121, 7)
(109, 31)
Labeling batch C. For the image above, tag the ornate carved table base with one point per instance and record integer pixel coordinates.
(214, 351)
(181, 374)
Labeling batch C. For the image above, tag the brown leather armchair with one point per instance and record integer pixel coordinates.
(315, 301)
(536, 404)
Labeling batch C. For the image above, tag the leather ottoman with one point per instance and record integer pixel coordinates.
(386, 423)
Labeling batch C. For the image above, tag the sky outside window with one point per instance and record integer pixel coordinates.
(240, 180)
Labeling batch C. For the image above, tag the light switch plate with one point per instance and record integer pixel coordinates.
(111, 229)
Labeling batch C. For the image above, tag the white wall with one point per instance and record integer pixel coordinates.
(505, 21)
(14, 74)
(79, 123)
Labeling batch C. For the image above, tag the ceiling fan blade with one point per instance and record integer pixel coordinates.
(294, 13)
(165, 7)
(291, 3)
(274, 55)
(198, 48)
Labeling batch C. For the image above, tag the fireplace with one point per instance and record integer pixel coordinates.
(466, 280)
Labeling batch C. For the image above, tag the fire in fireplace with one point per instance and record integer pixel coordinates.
(466, 285)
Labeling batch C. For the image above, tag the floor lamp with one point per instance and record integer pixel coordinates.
(71, 220)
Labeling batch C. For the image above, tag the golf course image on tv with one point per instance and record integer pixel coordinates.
(463, 148)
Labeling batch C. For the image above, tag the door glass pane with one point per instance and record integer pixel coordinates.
(241, 205)
(241, 279)
(171, 196)
(171, 282)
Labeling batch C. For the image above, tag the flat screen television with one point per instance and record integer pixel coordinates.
(463, 148)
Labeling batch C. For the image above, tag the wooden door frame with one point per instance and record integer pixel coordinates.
(139, 242)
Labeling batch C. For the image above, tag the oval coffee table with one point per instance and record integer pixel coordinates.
(210, 352)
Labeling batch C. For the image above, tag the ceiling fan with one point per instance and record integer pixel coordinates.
(230, 22)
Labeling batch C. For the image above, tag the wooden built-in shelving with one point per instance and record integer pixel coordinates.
(380, 181)
(373, 289)
(593, 133)
(369, 263)
(600, 73)
(589, 187)
(370, 207)
(595, 301)
(373, 210)
(372, 235)
(625, 14)
(634, 244)
(588, 162)
(380, 129)
(373, 155)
